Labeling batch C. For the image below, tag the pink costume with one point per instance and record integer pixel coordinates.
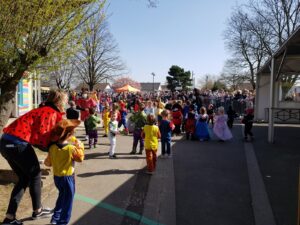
(221, 129)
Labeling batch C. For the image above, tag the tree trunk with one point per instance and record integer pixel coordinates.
(7, 99)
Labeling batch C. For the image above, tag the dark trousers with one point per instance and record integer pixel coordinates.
(24, 162)
(137, 137)
(164, 143)
(122, 122)
(93, 137)
(247, 131)
(230, 122)
(64, 202)
(177, 129)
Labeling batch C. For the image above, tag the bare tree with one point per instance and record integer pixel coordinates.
(98, 59)
(32, 32)
(63, 74)
(245, 38)
(282, 17)
(259, 28)
(233, 74)
(207, 81)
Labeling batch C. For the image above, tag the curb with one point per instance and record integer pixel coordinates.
(160, 203)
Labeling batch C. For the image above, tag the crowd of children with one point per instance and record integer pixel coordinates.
(150, 122)
(196, 121)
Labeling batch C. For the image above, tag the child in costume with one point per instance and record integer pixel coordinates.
(210, 113)
(160, 108)
(91, 124)
(106, 118)
(202, 127)
(61, 156)
(248, 121)
(231, 115)
(221, 129)
(123, 114)
(71, 112)
(166, 127)
(177, 117)
(113, 131)
(149, 108)
(139, 119)
(151, 134)
(94, 97)
(190, 124)
(185, 112)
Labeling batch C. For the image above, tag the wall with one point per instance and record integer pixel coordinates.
(262, 97)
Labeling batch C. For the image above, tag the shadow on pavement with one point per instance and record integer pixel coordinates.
(108, 172)
(124, 206)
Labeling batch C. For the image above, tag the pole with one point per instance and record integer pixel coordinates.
(153, 74)
(271, 107)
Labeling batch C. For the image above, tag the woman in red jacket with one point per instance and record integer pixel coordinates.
(16, 146)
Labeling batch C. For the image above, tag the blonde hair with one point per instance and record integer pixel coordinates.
(221, 110)
(58, 98)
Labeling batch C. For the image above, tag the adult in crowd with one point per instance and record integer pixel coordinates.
(83, 104)
(16, 146)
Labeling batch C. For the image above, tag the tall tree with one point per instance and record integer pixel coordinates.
(257, 29)
(233, 74)
(178, 78)
(98, 59)
(282, 17)
(63, 75)
(31, 32)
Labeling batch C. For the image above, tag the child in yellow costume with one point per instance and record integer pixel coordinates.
(62, 156)
(160, 108)
(106, 118)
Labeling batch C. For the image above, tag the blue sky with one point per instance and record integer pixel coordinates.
(187, 33)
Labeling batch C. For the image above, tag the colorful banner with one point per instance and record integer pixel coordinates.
(23, 97)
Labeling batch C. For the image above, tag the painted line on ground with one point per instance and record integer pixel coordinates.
(262, 209)
(116, 210)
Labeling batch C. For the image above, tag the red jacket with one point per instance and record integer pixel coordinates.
(177, 117)
(84, 105)
(34, 127)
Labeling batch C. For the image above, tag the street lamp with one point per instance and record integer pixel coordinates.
(153, 74)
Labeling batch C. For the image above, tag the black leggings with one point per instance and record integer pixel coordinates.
(248, 128)
(24, 162)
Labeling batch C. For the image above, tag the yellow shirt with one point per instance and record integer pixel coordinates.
(62, 159)
(105, 115)
(151, 141)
